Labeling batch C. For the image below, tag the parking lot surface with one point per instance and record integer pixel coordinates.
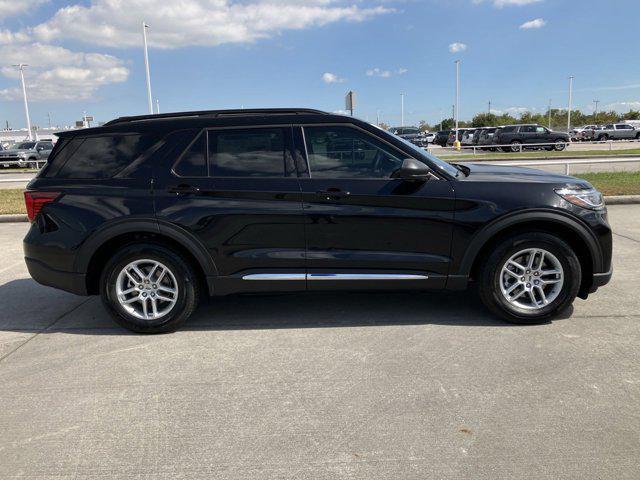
(366, 386)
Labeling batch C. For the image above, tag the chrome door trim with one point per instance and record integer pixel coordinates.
(364, 276)
(332, 276)
(275, 276)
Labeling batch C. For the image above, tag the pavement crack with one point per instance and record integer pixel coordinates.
(56, 320)
(628, 238)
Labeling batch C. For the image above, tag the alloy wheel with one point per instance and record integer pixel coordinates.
(147, 289)
(531, 279)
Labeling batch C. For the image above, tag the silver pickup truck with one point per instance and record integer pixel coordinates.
(26, 154)
(617, 131)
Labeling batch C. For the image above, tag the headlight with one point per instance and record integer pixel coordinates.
(583, 197)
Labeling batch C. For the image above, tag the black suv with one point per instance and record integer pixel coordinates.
(513, 137)
(153, 212)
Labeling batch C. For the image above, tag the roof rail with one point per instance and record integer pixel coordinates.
(219, 113)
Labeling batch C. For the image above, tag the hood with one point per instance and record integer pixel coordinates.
(501, 173)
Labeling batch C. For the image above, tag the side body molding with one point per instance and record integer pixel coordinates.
(459, 279)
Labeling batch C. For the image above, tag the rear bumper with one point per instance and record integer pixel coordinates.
(67, 281)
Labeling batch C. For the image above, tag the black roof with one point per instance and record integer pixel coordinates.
(220, 113)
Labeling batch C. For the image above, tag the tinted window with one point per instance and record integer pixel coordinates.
(193, 161)
(99, 157)
(26, 146)
(254, 152)
(624, 127)
(541, 130)
(527, 129)
(343, 152)
(508, 129)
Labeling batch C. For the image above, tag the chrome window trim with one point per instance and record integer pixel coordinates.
(332, 276)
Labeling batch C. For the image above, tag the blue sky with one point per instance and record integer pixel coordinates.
(86, 55)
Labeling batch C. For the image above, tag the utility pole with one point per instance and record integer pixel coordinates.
(440, 120)
(402, 109)
(157, 105)
(457, 111)
(49, 117)
(146, 66)
(489, 107)
(378, 117)
(549, 114)
(595, 111)
(570, 103)
(24, 94)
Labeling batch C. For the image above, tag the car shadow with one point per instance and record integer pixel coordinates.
(29, 307)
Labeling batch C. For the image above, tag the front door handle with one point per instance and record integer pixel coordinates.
(332, 194)
(184, 189)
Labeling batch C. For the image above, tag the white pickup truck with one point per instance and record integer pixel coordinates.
(617, 131)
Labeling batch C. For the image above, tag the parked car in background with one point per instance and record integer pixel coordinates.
(26, 154)
(441, 138)
(579, 133)
(275, 200)
(411, 134)
(452, 135)
(429, 136)
(485, 137)
(513, 137)
(616, 131)
(467, 137)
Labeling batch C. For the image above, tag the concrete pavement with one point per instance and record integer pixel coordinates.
(352, 386)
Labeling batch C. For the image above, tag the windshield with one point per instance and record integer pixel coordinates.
(440, 164)
(26, 146)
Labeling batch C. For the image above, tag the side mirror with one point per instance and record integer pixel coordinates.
(413, 170)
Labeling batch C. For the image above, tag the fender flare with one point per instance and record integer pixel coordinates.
(144, 225)
(490, 231)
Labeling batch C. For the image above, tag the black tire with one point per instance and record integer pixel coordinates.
(559, 145)
(637, 136)
(516, 146)
(187, 281)
(490, 277)
(603, 138)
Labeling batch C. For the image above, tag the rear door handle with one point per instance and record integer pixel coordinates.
(332, 194)
(184, 189)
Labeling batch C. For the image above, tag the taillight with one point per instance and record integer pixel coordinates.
(36, 200)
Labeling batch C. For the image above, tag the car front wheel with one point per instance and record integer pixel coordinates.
(148, 288)
(530, 278)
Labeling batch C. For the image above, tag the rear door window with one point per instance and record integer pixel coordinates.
(193, 162)
(251, 152)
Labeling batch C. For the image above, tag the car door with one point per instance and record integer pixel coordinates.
(236, 191)
(44, 149)
(363, 228)
(624, 131)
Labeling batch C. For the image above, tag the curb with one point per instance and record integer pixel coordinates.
(609, 200)
(13, 218)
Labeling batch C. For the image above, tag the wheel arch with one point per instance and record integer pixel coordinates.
(96, 250)
(581, 240)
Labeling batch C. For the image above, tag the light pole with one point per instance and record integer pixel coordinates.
(457, 142)
(489, 107)
(24, 94)
(157, 105)
(595, 111)
(570, 103)
(146, 66)
(402, 109)
(549, 114)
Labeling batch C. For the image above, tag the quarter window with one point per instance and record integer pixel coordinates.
(344, 152)
(253, 152)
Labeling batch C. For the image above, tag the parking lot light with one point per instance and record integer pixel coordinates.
(570, 103)
(456, 142)
(21, 66)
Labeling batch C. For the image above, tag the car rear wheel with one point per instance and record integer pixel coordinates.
(530, 278)
(559, 145)
(148, 288)
(516, 146)
(603, 138)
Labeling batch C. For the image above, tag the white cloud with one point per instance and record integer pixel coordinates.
(8, 37)
(329, 77)
(195, 22)
(536, 23)
(377, 72)
(623, 106)
(55, 73)
(507, 3)
(457, 47)
(14, 7)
